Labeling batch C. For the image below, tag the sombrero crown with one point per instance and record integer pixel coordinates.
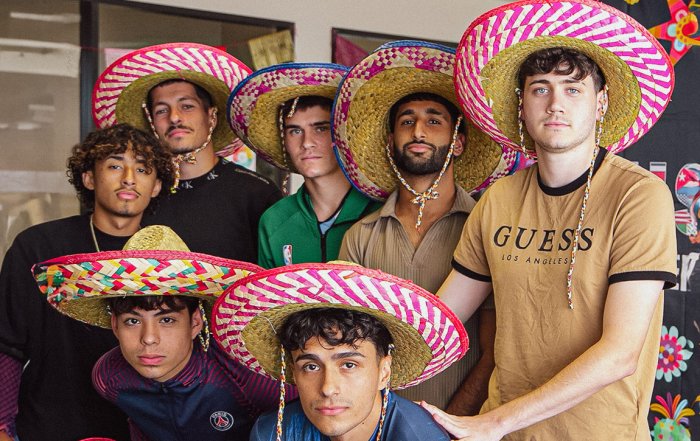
(155, 261)
(361, 117)
(427, 335)
(253, 108)
(124, 86)
(637, 69)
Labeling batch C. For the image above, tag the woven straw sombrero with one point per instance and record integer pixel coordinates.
(123, 87)
(253, 108)
(636, 67)
(427, 335)
(155, 261)
(361, 117)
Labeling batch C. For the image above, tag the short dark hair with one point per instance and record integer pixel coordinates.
(119, 138)
(561, 61)
(423, 96)
(201, 92)
(305, 102)
(127, 304)
(336, 326)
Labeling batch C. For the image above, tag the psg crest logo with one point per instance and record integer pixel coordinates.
(221, 420)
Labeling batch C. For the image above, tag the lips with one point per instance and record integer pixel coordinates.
(331, 410)
(177, 132)
(127, 195)
(151, 360)
(419, 147)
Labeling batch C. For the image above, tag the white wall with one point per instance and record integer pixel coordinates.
(427, 19)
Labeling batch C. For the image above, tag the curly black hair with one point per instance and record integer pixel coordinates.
(336, 326)
(99, 144)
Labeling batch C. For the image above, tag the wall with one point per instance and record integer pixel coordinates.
(436, 20)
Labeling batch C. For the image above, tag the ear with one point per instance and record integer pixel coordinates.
(602, 103)
(113, 320)
(459, 144)
(384, 372)
(390, 140)
(156, 188)
(213, 118)
(89, 180)
(196, 323)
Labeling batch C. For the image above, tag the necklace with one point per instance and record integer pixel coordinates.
(92, 231)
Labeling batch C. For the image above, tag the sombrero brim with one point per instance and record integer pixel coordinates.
(427, 335)
(636, 67)
(78, 285)
(253, 108)
(361, 112)
(122, 88)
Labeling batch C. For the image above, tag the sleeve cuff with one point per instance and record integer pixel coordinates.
(669, 279)
(469, 273)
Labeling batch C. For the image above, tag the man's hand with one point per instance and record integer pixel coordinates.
(477, 428)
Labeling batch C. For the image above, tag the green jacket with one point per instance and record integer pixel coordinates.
(292, 221)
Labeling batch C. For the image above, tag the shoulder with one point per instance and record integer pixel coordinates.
(408, 421)
(49, 239)
(295, 425)
(244, 174)
(281, 209)
(629, 175)
(110, 374)
(50, 229)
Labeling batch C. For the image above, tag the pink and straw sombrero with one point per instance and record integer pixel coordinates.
(637, 69)
(253, 108)
(427, 335)
(123, 87)
(361, 117)
(155, 261)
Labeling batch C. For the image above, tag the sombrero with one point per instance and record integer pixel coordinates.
(361, 117)
(155, 261)
(427, 335)
(253, 107)
(123, 87)
(637, 69)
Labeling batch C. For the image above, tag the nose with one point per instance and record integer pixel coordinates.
(308, 141)
(129, 176)
(149, 333)
(330, 384)
(555, 104)
(174, 117)
(419, 130)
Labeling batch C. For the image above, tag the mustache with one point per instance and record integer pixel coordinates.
(179, 126)
(405, 146)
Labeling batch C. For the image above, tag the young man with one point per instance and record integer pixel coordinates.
(411, 142)
(164, 375)
(348, 334)
(283, 112)
(116, 173)
(578, 248)
(179, 91)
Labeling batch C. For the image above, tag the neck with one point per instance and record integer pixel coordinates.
(434, 208)
(206, 160)
(364, 430)
(326, 193)
(559, 169)
(116, 225)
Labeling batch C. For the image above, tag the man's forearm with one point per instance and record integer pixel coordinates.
(11, 373)
(474, 390)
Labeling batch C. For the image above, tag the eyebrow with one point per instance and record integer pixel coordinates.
(179, 99)
(339, 355)
(159, 313)
(120, 157)
(429, 110)
(567, 80)
(315, 124)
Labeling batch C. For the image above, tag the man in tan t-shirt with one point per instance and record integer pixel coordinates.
(577, 248)
(419, 151)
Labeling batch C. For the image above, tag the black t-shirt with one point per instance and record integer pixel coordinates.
(56, 398)
(218, 213)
